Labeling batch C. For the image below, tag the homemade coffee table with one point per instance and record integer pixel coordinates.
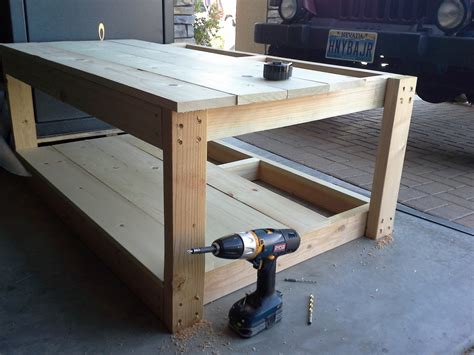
(140, 200)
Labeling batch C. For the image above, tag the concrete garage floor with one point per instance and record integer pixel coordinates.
(415, 296)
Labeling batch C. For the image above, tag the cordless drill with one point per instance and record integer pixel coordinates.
(261, 309)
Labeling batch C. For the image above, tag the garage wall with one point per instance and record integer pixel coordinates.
(272, 14)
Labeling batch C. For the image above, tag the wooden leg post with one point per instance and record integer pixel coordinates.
(390, 156)
(184, 159)
(22, 113)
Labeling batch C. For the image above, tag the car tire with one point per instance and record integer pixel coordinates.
(434, 94)
(470, 98)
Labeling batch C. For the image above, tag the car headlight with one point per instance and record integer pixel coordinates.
(291, 9)
(451, 15)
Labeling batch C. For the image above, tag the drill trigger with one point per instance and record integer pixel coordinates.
(257, 264)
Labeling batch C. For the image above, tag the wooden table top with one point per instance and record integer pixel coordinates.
(177, 78)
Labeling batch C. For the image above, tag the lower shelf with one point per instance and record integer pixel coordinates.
(111, 190)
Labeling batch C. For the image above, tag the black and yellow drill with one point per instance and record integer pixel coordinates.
(261, 309)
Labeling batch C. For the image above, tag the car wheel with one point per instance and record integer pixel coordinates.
(434, 93)
(470, 98)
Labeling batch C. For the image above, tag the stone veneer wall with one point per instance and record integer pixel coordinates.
(183, 21)
(272, 15)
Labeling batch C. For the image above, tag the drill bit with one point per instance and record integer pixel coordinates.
(202, 250)
(300, 280)
(310, 309)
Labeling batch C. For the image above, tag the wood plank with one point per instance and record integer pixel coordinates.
(247, 168)
(242, 119)
(317, 71)
(230, 53)
(267, 202)
(390, 156)
(290, 213)
(125, 112)
(184, 162)
(223, 153)
(337, 230)
(138, 177)
(251, 62)
(315, 191)
(176, 67)
(22, 113)
(225, 74)
(331, 68)
(318, 192)
(117, 216)
(78, 135)
(251, 70)
(146, 285)
(150, 87)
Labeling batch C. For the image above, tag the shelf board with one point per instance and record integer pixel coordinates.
(117, 184)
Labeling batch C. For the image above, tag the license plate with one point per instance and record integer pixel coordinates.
(351, 45)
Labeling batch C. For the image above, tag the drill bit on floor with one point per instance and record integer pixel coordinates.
(310, 309)
(300, 280)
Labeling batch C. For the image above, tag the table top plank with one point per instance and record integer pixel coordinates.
(173, 77)
(255, 67)
(234, 77)
(165, 91)
(249, 71)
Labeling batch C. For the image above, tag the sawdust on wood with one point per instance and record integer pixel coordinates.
(383, 242)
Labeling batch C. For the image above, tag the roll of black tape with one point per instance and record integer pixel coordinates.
(277, 71)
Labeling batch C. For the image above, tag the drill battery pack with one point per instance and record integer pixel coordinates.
(252, 315)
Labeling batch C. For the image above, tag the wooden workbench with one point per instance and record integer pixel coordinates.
(140, 200)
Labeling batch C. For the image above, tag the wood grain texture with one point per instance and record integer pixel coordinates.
(223, 153)
(128, 113)
(336, 231)
(249, 71)
(134, 170)
(317, 192)
(260, 199)
(114, 185)
(151, 88)
(226, 122)
(139, 278)
(78, 135)
(288, 212)
(176, 78)
(330, 68)
(231, 53)
(22, 113)
(198, 70)
(226, 74)
(390, 156)
(247, 168)
(184, 160)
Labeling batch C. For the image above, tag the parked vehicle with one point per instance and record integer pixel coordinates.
(431, 39)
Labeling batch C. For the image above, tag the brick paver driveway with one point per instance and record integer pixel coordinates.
(438, 177)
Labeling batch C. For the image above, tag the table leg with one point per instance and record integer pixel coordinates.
(390, 156)
(184, 159)
(22, 113)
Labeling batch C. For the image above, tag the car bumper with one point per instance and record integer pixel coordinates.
(407, 46)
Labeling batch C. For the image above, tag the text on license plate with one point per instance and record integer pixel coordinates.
(351, 45)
